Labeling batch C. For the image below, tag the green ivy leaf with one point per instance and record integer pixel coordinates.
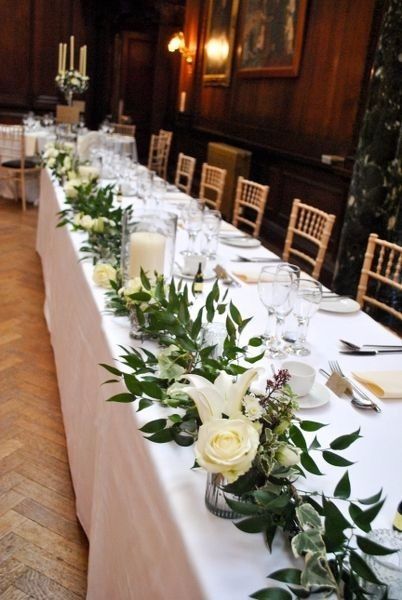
(344, 441)
(335, 460)
(369, 547)
(342, 489)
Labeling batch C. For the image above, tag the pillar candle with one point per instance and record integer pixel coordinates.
(182, 105)
(147, 251)
(71, 52)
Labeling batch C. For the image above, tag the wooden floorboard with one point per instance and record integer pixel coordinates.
(43, 549)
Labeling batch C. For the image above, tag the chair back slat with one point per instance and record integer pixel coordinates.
(312, 224)
(251, 196)
(184, 173)
(381, 275)
(212, 186)
(124, 129)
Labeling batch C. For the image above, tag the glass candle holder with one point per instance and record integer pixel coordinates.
(148, 243)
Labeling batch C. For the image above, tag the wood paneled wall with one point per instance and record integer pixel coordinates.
(30, 33)
(289, 122)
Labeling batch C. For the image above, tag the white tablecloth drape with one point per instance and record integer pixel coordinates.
(140, 503)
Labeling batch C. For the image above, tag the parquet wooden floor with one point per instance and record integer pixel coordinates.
(43, 550)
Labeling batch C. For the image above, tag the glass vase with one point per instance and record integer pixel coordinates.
(148, 243)
(215, 497)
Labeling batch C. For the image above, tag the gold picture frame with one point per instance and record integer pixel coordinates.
(219, 41)
(272, 38)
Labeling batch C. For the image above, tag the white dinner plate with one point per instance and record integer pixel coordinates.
(340, 305)
(318, 396)
(240, 242)
(208, 275)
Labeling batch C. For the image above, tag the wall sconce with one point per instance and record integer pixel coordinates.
(177, 43)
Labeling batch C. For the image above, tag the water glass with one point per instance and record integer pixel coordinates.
(211, 226)
(192, 223)
(306, 303)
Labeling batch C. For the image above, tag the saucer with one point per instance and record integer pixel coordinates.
(318, 396)
(342, 305)
(208, 275)
(240, 242)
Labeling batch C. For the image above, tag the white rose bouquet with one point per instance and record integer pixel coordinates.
(59, 158)
(72, 81)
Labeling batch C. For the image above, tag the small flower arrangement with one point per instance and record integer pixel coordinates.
(59, 158)
(72, 81)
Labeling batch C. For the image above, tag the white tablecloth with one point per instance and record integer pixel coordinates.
(140, 503)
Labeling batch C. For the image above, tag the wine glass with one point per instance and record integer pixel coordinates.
(211, 226)
(265, 291)
(192, 223)
(306, 304)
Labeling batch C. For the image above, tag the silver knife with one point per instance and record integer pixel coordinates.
(370, 352)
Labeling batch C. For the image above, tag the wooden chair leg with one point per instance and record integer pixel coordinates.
(23, 192)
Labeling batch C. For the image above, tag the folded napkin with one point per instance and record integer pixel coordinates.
(384, 384)
(248, 273)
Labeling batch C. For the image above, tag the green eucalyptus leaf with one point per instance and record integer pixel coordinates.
(371, 499)
(344, 441)
(361, 568)
(312, 425)
(160, 437)
(253, 359)
(121, 398)
(309, 464)
(112, 370)
(335, 460)
(230, 328)
(235, 314)
(252, 524)
(154, 426)
(286, 576)
(271, 594)
(342, 489)
(369, 547)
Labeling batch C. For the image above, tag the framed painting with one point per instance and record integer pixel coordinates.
(272, 38)
(219, 41)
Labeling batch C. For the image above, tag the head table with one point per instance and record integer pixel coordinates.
(141, 505)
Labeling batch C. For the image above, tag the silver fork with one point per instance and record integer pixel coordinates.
(336, 368)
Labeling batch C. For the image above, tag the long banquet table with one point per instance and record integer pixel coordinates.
(141, 505)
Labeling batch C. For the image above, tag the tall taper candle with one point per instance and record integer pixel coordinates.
(64, 58)
(84, 60)
(59, 60)
(71, 52)
(80, 63)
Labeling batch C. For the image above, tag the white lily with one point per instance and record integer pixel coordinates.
(223, 397)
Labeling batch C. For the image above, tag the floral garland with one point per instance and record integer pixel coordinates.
(59, 158)
(252, 437)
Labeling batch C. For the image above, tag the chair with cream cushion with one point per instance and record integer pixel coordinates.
(381, 276)
(312, 225)
(14, 166)
(249, 205)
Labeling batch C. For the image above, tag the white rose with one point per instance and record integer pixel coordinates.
(103, 274)
(287, 456)
(70, 188)
(69, 146)
(51, 162)
(67, 163)
(98, 225)
(77, 219)
(132, 286)
(86, 222)
(74, 81)
(227, 446)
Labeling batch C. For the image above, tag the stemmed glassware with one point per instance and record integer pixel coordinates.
(192, 223)
(277, 286)
(306, 304)
(211, 226)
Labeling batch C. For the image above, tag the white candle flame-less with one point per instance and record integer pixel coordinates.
(147, 251)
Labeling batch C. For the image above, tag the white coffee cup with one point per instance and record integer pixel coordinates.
(191, 263)
(302, 376)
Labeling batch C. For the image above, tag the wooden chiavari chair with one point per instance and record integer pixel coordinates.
(184, 173)
(212, 186)
(251, 196)
(14, 166)
(313, 225)
(159, 149)
(382, 270)
(123, 129)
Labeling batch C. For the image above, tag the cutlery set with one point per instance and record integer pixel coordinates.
(357, 396)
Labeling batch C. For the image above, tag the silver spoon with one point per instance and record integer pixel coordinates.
(356, 347)
(353, 399)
